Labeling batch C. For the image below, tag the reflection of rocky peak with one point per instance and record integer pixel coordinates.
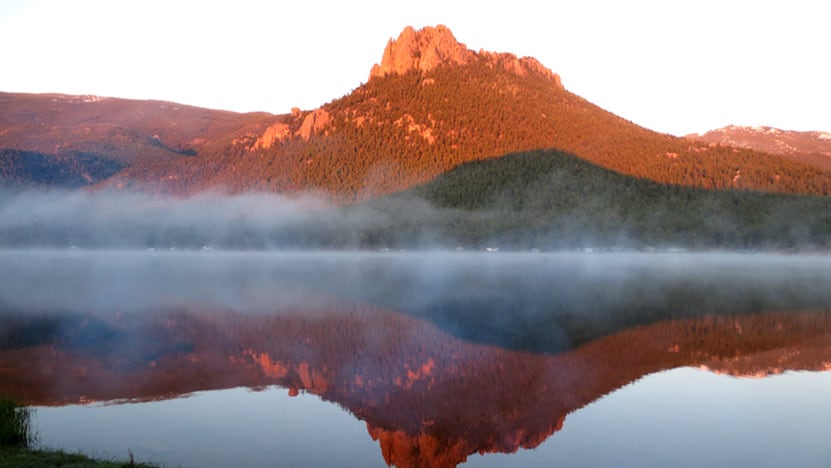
(428, 449)
(427, 48)
(403, 451)
(428, 397)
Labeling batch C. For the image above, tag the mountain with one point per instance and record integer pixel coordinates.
(812, 148)
(430, 105)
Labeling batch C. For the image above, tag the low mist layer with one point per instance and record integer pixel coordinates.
(142, 220)
(537, 200)
(540, 302)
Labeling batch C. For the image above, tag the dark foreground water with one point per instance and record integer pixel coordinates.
(422, 359)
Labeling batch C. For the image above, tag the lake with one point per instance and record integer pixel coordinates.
(422, 358)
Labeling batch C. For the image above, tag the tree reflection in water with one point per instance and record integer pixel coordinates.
(430, 393)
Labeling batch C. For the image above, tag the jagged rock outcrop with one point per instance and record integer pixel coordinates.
(429, 47)
(273, 134)
(520, 65)
(313, 123)
(423, 50)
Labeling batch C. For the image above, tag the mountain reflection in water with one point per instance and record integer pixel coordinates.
(396, 341)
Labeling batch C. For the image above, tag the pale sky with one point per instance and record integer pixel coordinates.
(672, 66)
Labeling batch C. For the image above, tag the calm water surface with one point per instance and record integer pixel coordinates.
(422, 359)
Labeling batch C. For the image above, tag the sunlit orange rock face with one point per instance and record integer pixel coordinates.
(430, 47)
(428, 398)
(421, 50)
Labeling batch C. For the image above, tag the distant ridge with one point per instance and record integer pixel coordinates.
(808, 147)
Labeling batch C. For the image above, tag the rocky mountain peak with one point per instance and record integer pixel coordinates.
(429, 47)
(423, 50)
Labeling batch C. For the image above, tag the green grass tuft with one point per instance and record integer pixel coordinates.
(17, 438)
(15, 424)
(23, 457)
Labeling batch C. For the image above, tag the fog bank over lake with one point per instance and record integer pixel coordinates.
(506, 298)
